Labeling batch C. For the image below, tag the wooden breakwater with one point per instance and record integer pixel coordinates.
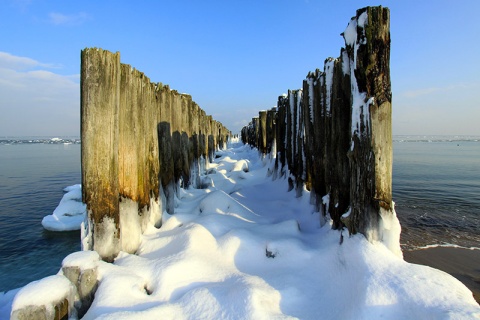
(334, 135)
(140, 140)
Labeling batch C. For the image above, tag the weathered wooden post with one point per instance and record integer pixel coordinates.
(281, 133)
(270, 127)
(100, 99)
(134, 133)
(262, 132)
(368, 46)
(339, 143)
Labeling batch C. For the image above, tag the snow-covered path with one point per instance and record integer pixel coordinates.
(245, 248)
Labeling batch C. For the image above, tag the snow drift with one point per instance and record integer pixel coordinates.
(70, 212)
(259, 252)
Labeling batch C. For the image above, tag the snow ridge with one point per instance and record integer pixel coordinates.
(245, 248)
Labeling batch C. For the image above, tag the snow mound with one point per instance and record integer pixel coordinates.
(45, 292)
(256, 251)
(82, 259)
(70, 212)
(218, 202)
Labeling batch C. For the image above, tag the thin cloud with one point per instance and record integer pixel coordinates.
(421, 92)
(10, 61)
(22, 5)
(57, 18)
(35, 100)
(428, 91)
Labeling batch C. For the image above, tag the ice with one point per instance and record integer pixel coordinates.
(345, 63)
(259, 252)
(106, 234)
(329, 68)
(86, 240)
(311, 93)
(360, 101)
(70, 212)
(326, 202)
(299, 94)
(390, 230)
(350, 33)
(130, 225)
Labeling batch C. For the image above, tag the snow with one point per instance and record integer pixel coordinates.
(70, 212)
(248, 249)
(390, 230)
(362, 19)
(255, 251)
(447, 245)
(350, 33)
(86, 240)
(82, 259)
(291, 103)
(329, 68)
(299, 94)
(360, 103)
(106, 234)
(45, 292)
(311, 93)
(326, 202)
(130, 225)
(345, 63)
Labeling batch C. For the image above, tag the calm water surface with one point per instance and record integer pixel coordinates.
(436, 187)
(32, 177)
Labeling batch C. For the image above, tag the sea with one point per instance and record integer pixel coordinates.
(436, 189)
(33, 173)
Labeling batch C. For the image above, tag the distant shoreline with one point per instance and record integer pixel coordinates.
(462, 263)
(38, 140)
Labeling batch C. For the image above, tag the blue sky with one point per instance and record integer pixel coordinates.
(234, 57)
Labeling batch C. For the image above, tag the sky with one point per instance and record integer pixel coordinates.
(234, 57)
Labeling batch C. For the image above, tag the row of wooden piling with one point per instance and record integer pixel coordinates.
(333, 136)
(138, 140)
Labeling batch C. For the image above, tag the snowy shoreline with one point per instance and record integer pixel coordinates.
(246, 248)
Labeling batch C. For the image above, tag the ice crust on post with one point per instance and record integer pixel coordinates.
(360, 103)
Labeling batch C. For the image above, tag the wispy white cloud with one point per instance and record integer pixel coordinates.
(36, 100)
(10, 61)
(57, 18)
